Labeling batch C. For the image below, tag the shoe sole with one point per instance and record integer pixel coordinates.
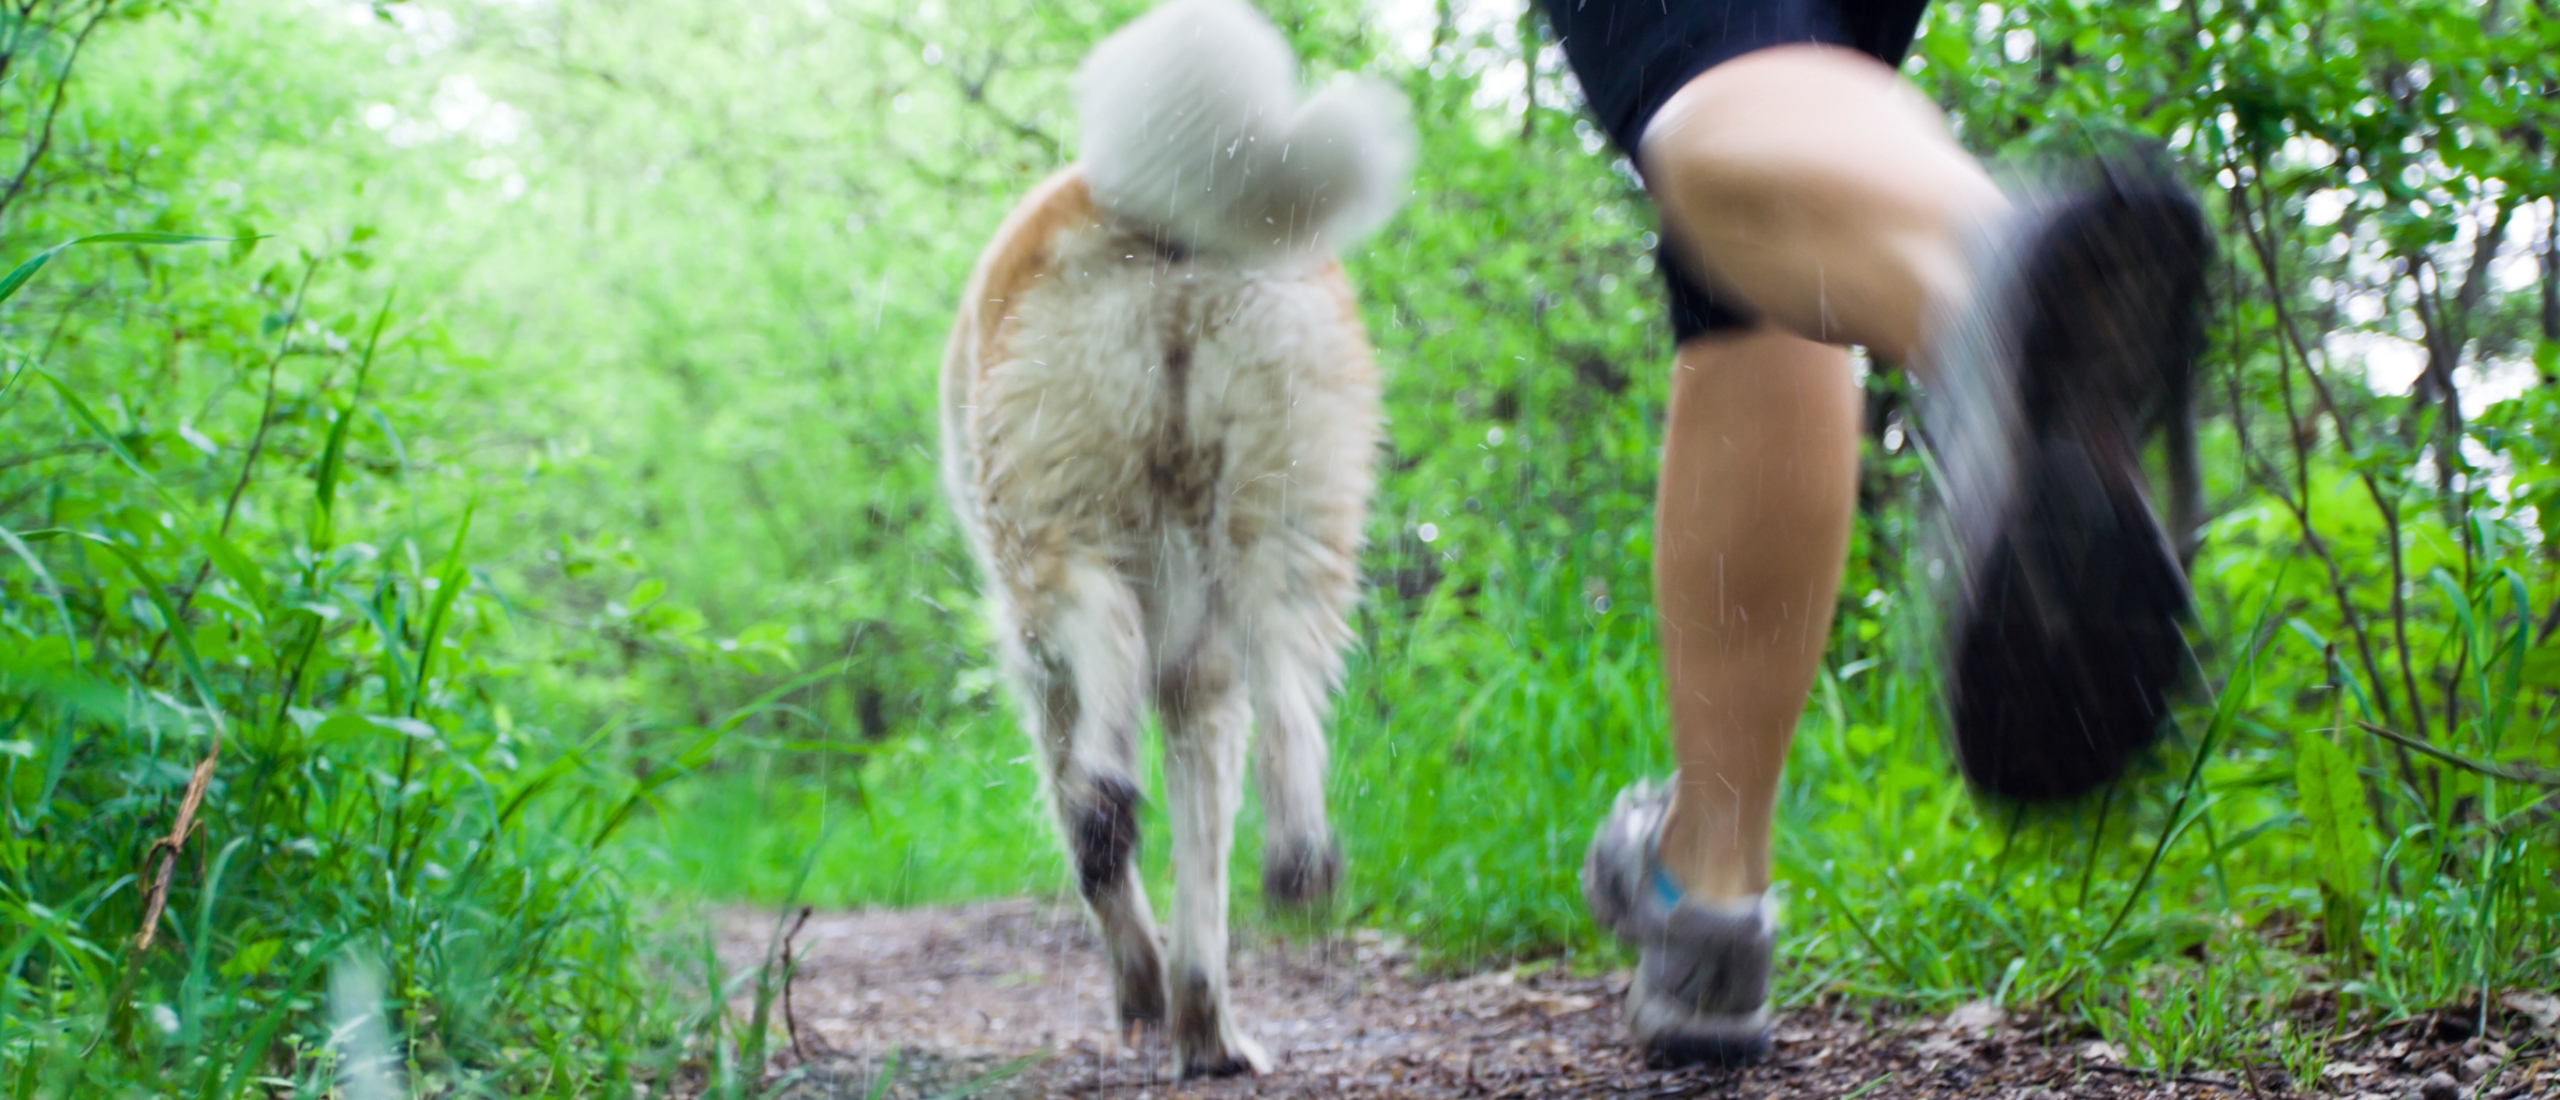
(1669, 1035)
(2067, 645)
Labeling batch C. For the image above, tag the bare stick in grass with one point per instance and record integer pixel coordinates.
(2297, 498)
(162, 859)
(791, 975)
(2512, 774)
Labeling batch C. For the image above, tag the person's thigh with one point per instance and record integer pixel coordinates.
(1631, 56)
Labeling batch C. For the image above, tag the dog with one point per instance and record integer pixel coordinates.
(1159, 416)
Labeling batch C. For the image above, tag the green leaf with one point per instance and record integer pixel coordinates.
(79, 410)
(237, 566)
(179, 638)
(19, 275)
(2332, 800)
(324, 500)
(2542, 666)
(343, 727)
(449, 584)
(45, 584)
(645, 593)
(252, 960)
(324, 496)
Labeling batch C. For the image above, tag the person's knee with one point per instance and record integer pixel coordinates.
(1816, 185)
(1768, 104)
(1767, 124)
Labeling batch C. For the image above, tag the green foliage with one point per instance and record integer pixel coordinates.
(607, 571)
(2333, 802)
(246, 664)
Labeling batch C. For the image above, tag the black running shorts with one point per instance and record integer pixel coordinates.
(1631, 55)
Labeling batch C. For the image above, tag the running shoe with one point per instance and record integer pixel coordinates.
(1700, 994)
(2065, 642)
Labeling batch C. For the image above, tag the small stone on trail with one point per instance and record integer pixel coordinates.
(1976, 1018)
(2096, 1051)
(2439, 1086)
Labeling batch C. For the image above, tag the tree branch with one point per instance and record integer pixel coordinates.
(61, 90)
(973, 90)
(17, 460)
(2485, 246)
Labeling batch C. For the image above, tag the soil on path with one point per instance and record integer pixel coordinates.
(1009, 999)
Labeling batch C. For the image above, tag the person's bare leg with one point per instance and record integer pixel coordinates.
(1759, 477)
(1821, 188)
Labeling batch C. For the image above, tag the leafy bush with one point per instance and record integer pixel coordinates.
(250, 730)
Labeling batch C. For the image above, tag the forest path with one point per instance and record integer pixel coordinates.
(1015, 991)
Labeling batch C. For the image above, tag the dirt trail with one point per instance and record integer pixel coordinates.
(1015, 991)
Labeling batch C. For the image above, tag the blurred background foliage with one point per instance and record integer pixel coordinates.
(518, 531)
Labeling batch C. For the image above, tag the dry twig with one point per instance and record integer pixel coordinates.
(165, 850)
(790, 974)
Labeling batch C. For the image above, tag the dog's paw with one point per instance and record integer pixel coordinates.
(1205, 1042)
(1300, 876)
(1139, 989)
(1234, 1058)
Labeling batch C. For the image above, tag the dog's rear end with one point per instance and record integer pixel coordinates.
(1159, 415)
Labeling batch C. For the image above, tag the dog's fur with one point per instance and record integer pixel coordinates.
(1159, 414)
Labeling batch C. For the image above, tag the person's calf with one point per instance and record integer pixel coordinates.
(1758, 486)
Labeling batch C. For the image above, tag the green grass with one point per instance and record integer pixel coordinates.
(1480, 738)
(938, 818)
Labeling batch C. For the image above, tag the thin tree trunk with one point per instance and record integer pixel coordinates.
(2551, 289)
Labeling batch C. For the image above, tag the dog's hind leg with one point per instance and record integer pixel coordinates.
(1205, 716)
(1293, 636)
(1082, 657)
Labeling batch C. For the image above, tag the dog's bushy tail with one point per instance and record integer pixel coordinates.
(1194, 131)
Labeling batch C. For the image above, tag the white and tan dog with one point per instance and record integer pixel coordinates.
(1158, 419)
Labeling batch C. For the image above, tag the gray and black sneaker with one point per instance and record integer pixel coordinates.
(2064, 642)
(1701, 990)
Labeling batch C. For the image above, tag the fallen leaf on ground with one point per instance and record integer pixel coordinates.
(1563, 1005)
(2543, 1008)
